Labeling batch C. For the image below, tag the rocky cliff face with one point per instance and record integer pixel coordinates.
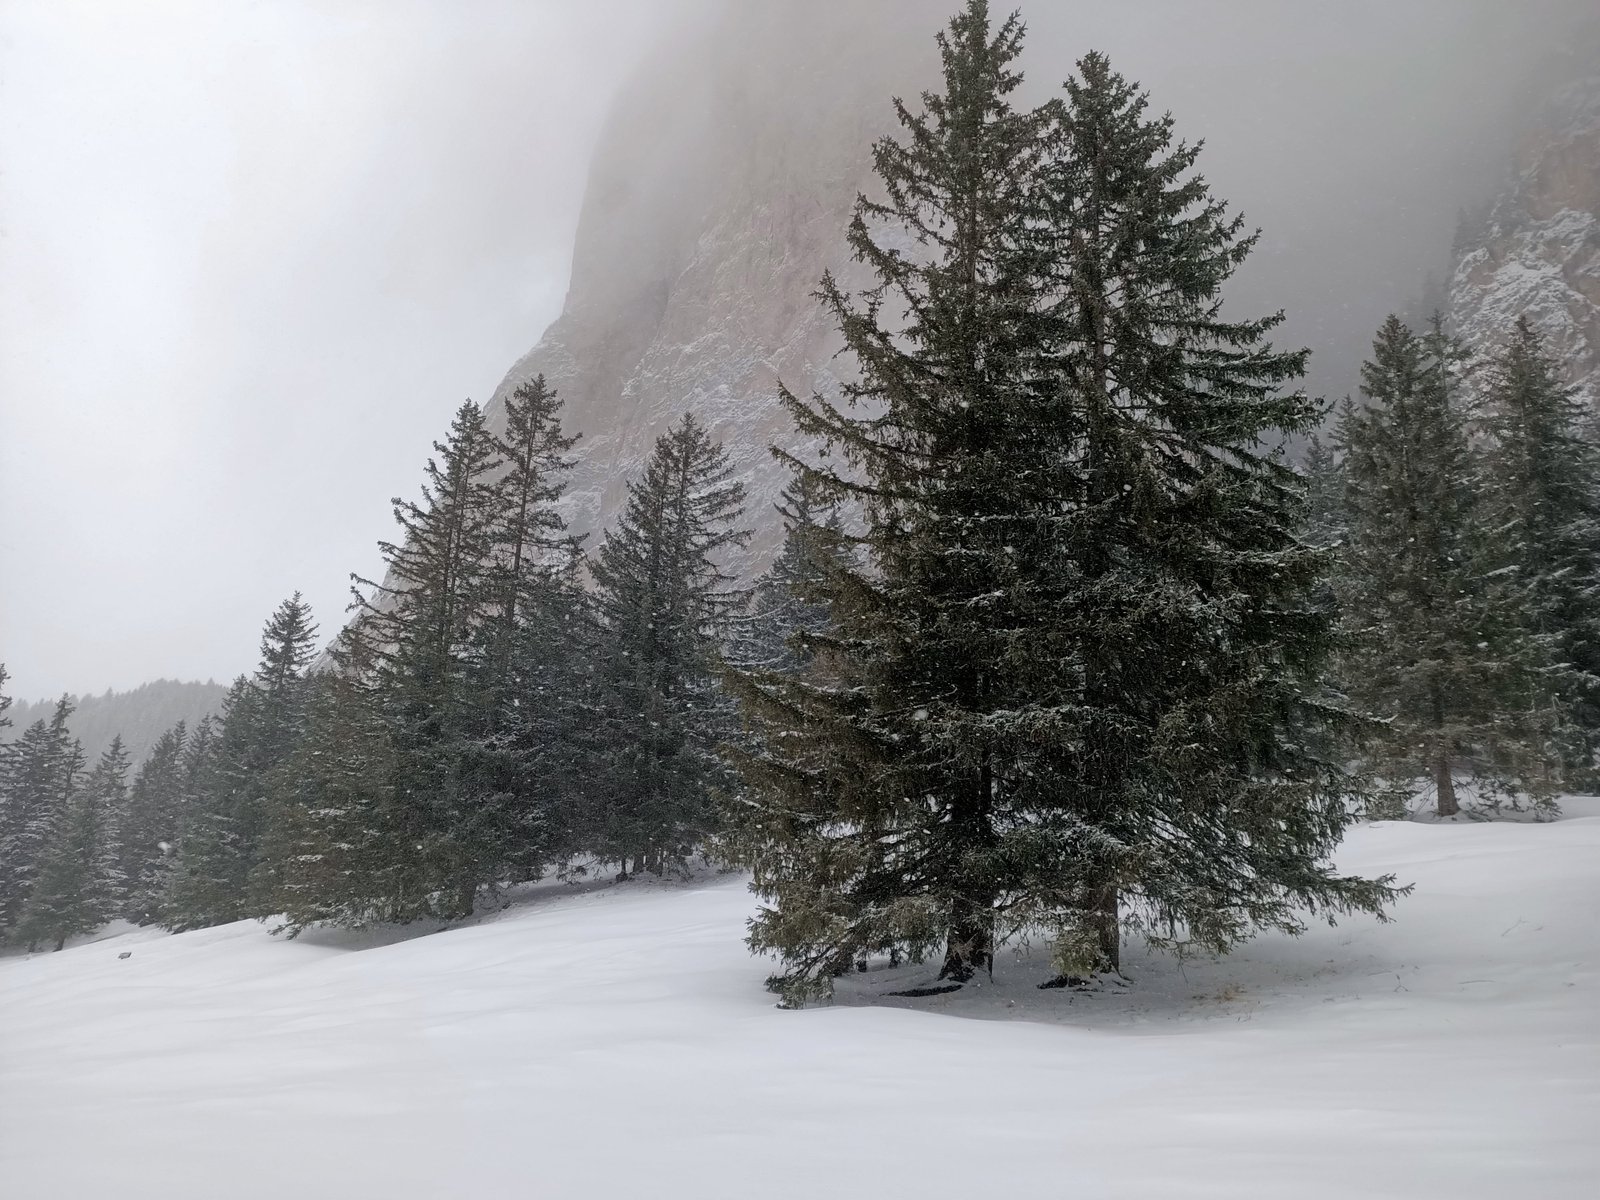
(717, 198)
(1536, 252)
(721, 191)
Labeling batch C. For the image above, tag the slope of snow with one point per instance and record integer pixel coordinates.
(619, 1041)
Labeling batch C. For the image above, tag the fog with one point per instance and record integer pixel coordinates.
(251, 257)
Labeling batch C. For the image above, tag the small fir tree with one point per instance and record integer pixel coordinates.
(206, 883)
(664, 598)
(1440, 644)
(1324, 483)
(274, 723)
(785, 604)
(1538, 480)
(336, 792)
(78, 885)
(44, 774)
(421, 631)
(532, 644)
(149, 829)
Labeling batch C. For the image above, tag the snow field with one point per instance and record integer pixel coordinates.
(618, 1041)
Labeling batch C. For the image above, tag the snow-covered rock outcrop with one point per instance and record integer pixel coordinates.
(1537, 251)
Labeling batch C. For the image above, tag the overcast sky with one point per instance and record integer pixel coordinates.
(253, 254)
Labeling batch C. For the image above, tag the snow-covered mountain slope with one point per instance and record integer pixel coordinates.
(1536, 252)
(618, 1041)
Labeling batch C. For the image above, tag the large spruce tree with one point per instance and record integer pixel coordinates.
(7, 753)
(1077, 688)
(664, 597)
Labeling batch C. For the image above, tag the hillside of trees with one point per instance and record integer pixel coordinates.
(138, 716)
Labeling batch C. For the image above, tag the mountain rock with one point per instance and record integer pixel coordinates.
(716, 199)
(1536, 250)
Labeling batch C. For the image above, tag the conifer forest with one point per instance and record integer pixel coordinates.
(1056, 655)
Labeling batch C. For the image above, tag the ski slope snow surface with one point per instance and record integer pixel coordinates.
(618, 1041)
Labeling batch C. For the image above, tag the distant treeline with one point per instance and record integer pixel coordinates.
(139, 716)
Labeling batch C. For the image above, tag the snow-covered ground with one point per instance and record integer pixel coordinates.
(618, 1042)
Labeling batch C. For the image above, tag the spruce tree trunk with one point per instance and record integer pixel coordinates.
(61, 942)
(967, 946)
(1445, 784)
(1108, 930)
(1444, 781)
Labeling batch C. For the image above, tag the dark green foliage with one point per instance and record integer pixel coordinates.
(1323, 470)
(534, 646)
(335, 791)
(1538, 482)
(1078, 688)
(1441, 647)
(206, 883)
(421, 632)
(443, 754)
(275, 723)
(785, 604)
(42, 776)
(78, 882)
(663, 598)
(150, 826)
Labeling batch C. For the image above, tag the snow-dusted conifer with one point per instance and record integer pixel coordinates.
(1324, 483)
(149, 826)
(44, 773)
(1538, 479)
(1077, 688)
(664, 597)
(785, 604)
(78, 884)
(274, 723)
(336, 860)
(211, 862)
(534, 657)
(420, 631)
(1440, 644)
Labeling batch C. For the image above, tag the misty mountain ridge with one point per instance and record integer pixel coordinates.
(140, 715)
